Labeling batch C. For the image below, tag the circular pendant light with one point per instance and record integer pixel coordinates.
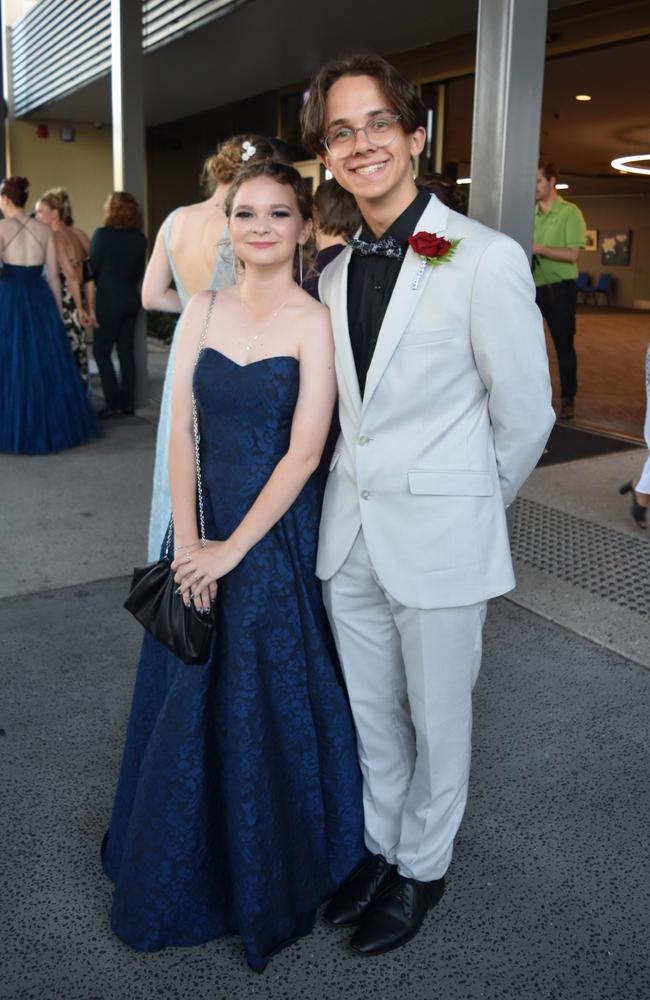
(623, 163)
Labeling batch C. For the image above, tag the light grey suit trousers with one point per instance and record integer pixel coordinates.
(409, 674)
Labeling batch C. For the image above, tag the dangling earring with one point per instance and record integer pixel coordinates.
(300, 259)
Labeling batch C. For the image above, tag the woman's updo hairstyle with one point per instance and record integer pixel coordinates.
(16, 189)
(289, 177)
(58, 200)
(233, 153)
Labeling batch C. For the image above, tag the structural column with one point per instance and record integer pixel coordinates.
(129, 156)
(507, 114)
(508, 89)
(3, 104)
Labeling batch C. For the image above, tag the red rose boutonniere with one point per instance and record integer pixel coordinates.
(432, 250)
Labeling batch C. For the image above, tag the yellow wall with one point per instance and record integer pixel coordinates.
(83, 167)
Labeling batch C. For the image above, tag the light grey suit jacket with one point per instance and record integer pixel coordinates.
(455, 414)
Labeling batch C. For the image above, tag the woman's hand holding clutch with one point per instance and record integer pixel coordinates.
(196, 572)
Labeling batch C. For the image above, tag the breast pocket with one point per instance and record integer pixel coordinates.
(425, 337)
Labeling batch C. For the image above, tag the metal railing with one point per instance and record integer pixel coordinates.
(58, 47)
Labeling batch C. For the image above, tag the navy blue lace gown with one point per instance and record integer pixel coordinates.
(238, 806)
(44, 404)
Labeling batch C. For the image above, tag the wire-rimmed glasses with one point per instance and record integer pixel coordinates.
(341, 140)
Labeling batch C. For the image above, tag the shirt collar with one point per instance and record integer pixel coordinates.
(557, 203)
(404, 224)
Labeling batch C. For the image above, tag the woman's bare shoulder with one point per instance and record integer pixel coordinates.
(189, 214)
(197, 302)
(39, 227)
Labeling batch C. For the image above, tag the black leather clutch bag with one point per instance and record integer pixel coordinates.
(153, 601)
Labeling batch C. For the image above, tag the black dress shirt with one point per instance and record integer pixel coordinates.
(371, 281)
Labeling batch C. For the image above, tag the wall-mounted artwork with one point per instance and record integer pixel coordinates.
(615, 247)
(591, 243)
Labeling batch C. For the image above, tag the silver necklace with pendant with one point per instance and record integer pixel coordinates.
(249, 344)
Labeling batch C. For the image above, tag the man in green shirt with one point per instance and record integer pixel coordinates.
(560, 233)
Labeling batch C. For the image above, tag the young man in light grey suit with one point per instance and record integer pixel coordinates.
(445, 407)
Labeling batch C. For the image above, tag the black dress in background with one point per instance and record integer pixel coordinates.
(117, 260)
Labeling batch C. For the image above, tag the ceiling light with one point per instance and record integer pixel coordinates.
(464, 180)
(622, 163)
(583, 97)
(561, 187)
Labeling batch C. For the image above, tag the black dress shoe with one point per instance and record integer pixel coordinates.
(107, 413)
(639, 512)
(396, 915)
(352, 899)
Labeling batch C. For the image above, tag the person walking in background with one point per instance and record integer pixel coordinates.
(189, 253)
(445, 407)
(238, 806)
(640, 490)
(52, 208)
(43, 403)
(560, 234)
(117, 261)
(336, 217)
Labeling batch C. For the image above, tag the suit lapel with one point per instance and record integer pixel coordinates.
(342, 343)
(403, 300)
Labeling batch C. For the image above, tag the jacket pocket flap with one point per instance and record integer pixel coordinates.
(460, 482)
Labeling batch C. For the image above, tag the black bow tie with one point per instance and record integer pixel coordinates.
(388, 247)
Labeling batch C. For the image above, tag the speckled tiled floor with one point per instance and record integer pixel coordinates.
(547, 899)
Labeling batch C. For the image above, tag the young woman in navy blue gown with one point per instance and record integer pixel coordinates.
(238, 806)
(44, 406)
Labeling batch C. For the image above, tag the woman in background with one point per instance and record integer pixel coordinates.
(43, 403)
(117, 261)
(187, 253)
(52, 208)
(88, 284)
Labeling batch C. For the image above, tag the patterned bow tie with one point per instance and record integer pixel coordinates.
(388, 247)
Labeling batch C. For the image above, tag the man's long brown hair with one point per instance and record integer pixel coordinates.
(399, 92)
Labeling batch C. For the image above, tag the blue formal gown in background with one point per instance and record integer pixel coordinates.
(238, 806)
(44, 404)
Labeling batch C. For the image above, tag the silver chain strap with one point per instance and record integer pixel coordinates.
(197, 439)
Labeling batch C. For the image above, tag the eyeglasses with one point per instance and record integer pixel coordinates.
(340, 142)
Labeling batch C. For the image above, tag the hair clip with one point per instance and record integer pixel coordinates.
(248, 150)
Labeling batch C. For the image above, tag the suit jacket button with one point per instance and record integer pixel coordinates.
(365, 495)
(363, 439)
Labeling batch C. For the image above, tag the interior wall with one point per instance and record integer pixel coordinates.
(620, 213)
(83, 167)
